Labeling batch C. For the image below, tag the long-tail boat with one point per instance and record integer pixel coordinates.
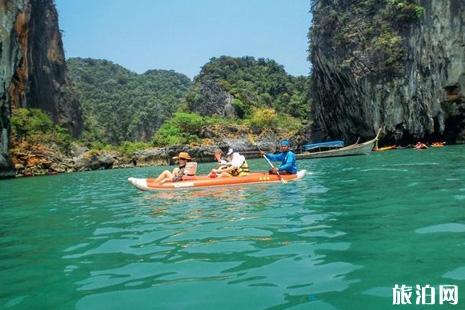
(364, 148)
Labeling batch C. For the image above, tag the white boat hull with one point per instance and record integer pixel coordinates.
(351, 150)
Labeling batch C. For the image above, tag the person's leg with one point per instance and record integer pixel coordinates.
(225, 174)
(164, 175)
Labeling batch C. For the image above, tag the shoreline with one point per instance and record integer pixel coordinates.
(92, 160)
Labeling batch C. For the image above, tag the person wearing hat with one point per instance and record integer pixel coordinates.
(287, 158)
(167, 176)
(236, 166)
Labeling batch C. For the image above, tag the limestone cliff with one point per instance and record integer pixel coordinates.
(398, 64)
(32, 68)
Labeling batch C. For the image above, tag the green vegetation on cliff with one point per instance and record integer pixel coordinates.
(37, 143)
(119, 105)
(235, 86)
(164, 108)
(182, 128)
(245, 95)
(367, 35)
(33, 126)
(192, 128)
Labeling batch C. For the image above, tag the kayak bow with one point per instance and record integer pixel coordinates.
(204, 181)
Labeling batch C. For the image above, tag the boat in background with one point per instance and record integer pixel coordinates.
(323, 145)
(438, 144)
(364, 148)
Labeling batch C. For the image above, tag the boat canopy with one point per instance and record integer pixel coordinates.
(328, 144)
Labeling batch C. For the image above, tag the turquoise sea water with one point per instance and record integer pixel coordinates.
(339, 239)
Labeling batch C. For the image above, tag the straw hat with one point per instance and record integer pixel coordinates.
(183, 155)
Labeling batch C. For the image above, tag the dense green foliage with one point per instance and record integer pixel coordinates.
(183, 128)
(250, 83)
(35, 126)
(159, 108)
(267, 118)
(119, 105)
(188, 128)
(259, 93)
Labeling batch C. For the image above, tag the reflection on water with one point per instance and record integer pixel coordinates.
(340, 238)
(226, 193)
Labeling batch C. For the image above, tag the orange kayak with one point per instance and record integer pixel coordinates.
(204, 181)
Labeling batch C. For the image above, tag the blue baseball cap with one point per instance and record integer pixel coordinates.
(285, 143)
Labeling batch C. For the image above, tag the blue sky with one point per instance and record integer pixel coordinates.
(184, 34)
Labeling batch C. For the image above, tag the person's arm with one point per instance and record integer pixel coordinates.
(274, 157)
(289, 162)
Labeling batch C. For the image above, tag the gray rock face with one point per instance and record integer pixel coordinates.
(48, 85)
(32, 68)
(426, 100)
(151, 157)
(93, 161)
(214, 100)
(9, 51)
(6, 167)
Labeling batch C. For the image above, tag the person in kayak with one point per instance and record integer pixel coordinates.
(222, 164)
(287, 158)
(420, 146)
(219, 158)
(236, 165)
(178, 172)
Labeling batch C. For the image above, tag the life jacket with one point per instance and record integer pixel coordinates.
(190, 169)
(179, 174)
(242, 170)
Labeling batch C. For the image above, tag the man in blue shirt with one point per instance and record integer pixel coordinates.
(287, 158)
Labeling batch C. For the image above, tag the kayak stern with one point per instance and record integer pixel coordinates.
(139, 183)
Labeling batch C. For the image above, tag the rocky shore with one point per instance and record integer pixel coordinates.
(48, 160)
(34, 159)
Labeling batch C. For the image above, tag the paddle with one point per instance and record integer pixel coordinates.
(269, 162)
